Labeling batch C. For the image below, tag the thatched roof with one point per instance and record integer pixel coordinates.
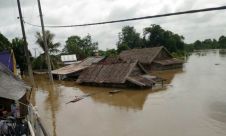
(117, 73)
(77, 67)
(144, 55)
(11, 87)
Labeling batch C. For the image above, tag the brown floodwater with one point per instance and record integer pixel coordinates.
(193, 104)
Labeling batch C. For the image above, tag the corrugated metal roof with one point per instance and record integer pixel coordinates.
(11, 87)
(77, 67)
(66, 58)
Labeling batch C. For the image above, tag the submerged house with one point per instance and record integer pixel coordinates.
(130, 74)
(75, 69)
(155, 58)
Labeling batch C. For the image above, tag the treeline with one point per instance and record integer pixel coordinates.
(207, 44)
(128, 38)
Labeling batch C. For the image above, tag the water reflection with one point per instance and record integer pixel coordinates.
(218, 111)
(124, 100)
(51, 102)
(222, 53)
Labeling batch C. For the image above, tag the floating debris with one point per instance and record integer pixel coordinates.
(114, 91)
(78, 98)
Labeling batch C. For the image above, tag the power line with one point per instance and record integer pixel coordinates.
(137, 18)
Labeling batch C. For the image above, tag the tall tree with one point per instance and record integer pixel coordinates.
(53, 47)
(222, 42)
(82, 47)
(4, 43)
(128, 39)
(155, 35)
(18, 49)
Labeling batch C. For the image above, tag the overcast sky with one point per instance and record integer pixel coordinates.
(63, 12)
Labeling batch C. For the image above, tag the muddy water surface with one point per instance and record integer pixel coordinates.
(193, 104)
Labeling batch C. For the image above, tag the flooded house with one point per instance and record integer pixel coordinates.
(73, 70)
(155, 58)
(121, 74)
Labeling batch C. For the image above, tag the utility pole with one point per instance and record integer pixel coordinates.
(45, 43)
(30, 72)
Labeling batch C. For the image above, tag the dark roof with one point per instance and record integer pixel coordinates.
(144, 55)
(11, 87)
(111, 73)
(117, 73)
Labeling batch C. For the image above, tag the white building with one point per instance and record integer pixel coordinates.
(69, 59)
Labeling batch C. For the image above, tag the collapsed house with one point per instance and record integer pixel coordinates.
(121, 74)
(73, 70)
(155, 58)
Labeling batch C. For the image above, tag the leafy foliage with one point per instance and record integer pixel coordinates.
(157, 36)
(53, 47)
(82, 47)
(111, 53)
(4, 43)
(40, 62)
(128, 39)
(18, 49)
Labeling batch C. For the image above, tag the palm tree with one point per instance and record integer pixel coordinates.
(49, 37)
(53, 47)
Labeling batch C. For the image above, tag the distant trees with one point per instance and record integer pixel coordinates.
(153, 35)
(208, 44)
(40, 62)
(128, 39)
(222, 42)
(53, 47)
(82, 47)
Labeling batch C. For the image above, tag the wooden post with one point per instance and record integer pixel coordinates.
(45, 43)
(30, 72)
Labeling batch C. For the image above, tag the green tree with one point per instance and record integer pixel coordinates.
(82, 47)
(4, 43)
(18, 49)
(53, 47)
(111, 53)
(128, 39)
(155, 35)
(198, 45)
(222, 42)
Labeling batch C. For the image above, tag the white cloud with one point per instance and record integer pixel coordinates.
(59, 12)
